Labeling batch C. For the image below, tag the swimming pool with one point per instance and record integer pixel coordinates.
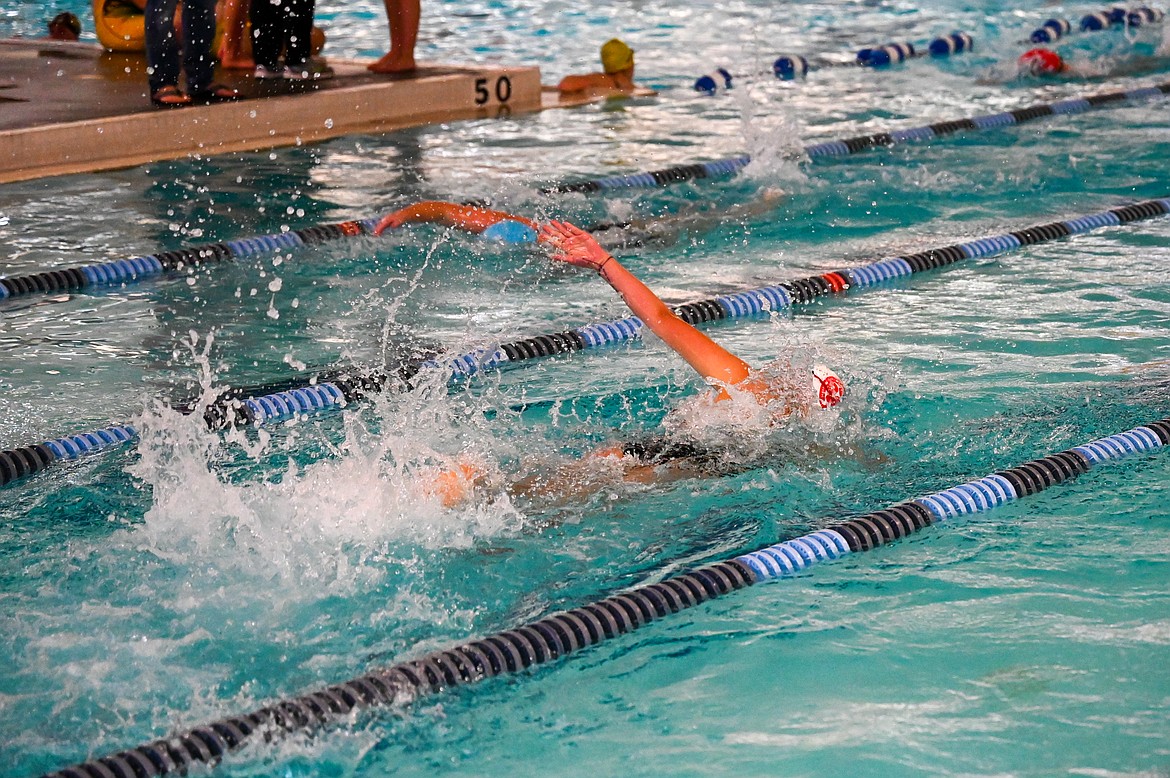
(159, 587)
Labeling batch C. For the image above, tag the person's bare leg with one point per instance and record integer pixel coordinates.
(403, 17)
(235, 53)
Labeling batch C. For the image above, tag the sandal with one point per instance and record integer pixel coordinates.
(169, 97)
(215, 93)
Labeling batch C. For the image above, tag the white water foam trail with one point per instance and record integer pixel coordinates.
(333, 524)
(773, 136)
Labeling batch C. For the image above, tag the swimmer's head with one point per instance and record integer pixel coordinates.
(616, 56)
(827, 386)
(510, 231)
(65, 27)
(1040, 62)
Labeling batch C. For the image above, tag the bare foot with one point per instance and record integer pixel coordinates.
(392, 63)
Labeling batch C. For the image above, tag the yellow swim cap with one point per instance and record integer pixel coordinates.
(616, 56)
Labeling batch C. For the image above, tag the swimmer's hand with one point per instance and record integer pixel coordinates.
(390, 221)
(573, 245)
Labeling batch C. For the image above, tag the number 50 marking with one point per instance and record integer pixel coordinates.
(503, 90)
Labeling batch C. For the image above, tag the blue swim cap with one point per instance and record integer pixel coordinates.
(508, 231)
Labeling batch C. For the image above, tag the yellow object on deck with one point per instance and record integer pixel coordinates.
(120, 25)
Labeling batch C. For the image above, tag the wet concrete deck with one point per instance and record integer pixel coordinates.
(72, 107)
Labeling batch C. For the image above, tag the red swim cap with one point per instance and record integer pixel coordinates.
(1040, 62)
(829, 388)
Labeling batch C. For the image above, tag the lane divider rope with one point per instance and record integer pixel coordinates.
(127, 271)
(336, 389)
(1111, 18)
(849, 146)
(784, 295)
(556, 636)
(787, 67)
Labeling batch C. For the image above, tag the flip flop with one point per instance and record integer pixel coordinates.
(215, 93)
(169, 97)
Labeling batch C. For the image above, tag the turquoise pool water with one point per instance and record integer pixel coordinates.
(193, 577)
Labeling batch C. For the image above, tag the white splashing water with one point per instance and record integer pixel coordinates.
(333, 524)
(773, 139)
(793, 425)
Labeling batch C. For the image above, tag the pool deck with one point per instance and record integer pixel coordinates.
(73, 108)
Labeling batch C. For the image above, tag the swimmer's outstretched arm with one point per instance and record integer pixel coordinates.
(465, 217)
(579, 83)
(575, 246)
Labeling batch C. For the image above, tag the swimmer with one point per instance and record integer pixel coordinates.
(65, 27)
(772, 393)
(617, 60)
(1046, 63)
(1041, 62)
(509, 228)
